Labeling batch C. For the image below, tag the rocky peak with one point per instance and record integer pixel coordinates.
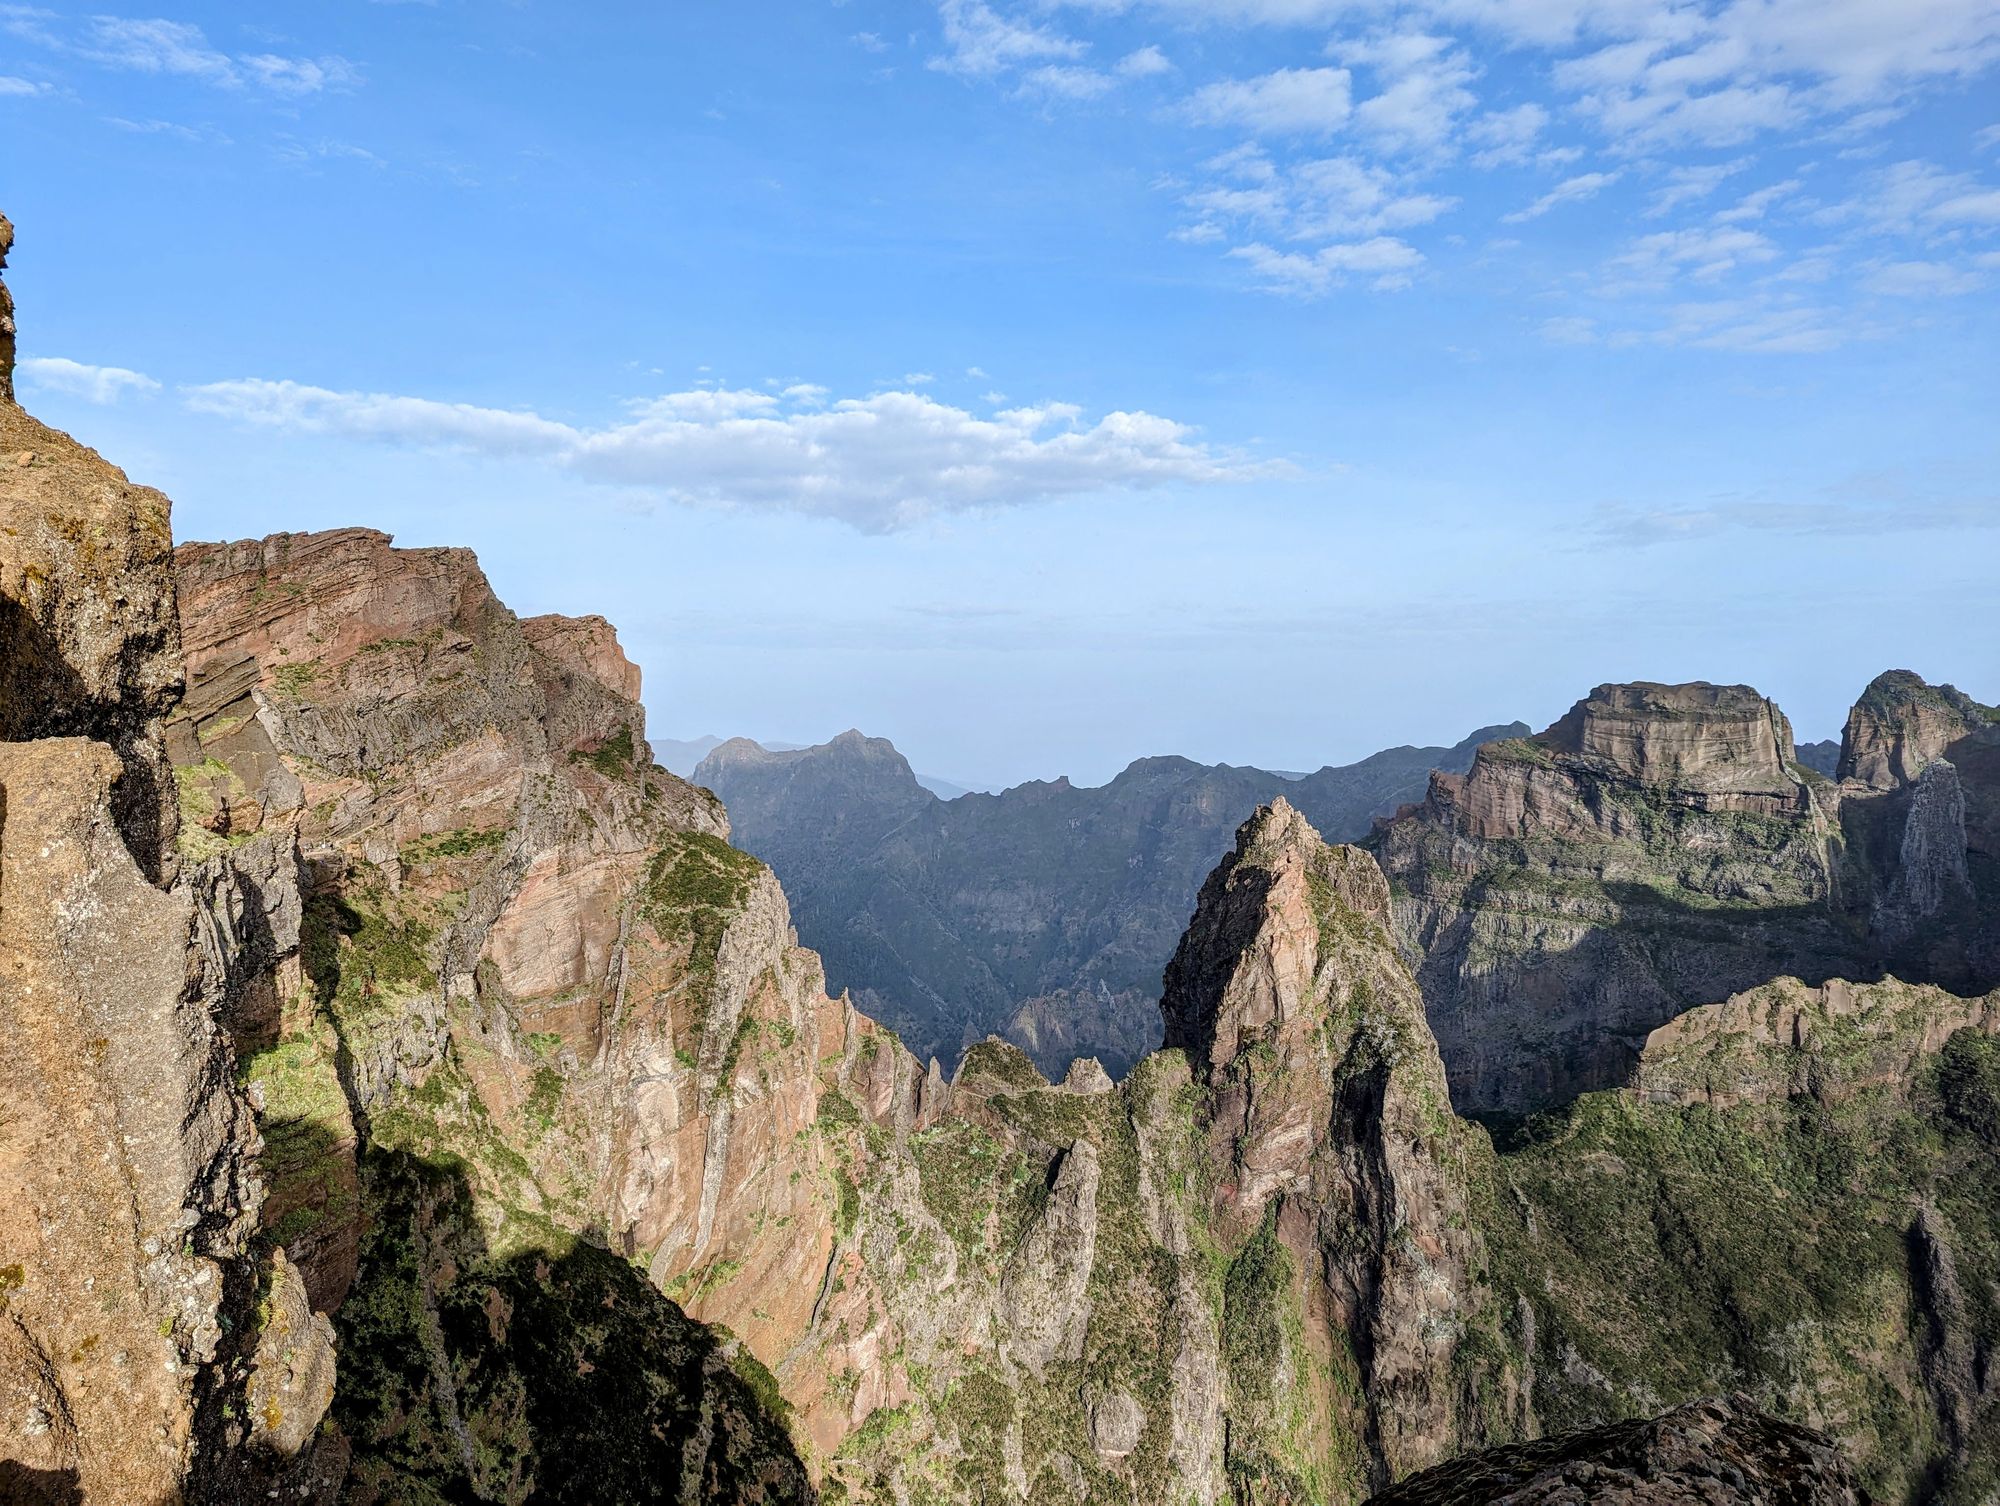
(588, 645)
(1329, 1123)
(1249, 954)
(1901, 724)
(6, 315)
(1713, 738)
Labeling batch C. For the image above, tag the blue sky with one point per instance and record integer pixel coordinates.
(1043, 385)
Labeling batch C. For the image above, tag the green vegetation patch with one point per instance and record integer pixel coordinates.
(963, 1172)
(612, 758)
(1001, 1062)
(463, 842)
(308, 1137)
(695, 885)
(556, 1374)
(1676, 1251)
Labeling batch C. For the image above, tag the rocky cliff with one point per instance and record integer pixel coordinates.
(249, 1053)
(1043, 914)
(1659, 848)
(145, 1347)
(542, 1016)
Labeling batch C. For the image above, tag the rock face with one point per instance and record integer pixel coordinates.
(1699, 1454)
(517, 943)
(1901, 725)
(1043, 914)
(1331, 1127)
(91, 640)
(1657, 849)
(131, 1203)
(130, 1326)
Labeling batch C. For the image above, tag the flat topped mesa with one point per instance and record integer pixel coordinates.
(1713, 737)
(6, 314)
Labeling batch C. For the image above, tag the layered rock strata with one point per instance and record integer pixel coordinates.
(1658, 848)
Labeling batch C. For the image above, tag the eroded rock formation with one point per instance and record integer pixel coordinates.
(1658, 849)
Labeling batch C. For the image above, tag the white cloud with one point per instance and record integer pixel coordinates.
(1981, 207)
(1388, 263)
(1322, 198)
(1921, 279)
(1755, 205)
(1628, 525)
(1570, 190)
(1147, 62)
(878, 463)
(177, 48)
(94, 384)
(1752, 326)
(157, 47)
(383, 416)
(1068, 82)
(1703, 254)
(1569, 330)
(1914, 197)
(981, 42)
(1507, 137)
(19, 88)
(299, 75)
(1423, 90)
(1288, 102)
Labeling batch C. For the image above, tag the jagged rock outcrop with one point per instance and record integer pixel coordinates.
(1786, 1040)
(1044, 1304)
(1696, 1455)
(1044, 913)
(1332, 1130)
(1901, 725)
(1789, 1204)
(89, 640)
(1931, 873)
(1659, 849)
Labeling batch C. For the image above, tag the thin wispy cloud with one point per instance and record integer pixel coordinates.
(1629, 526)
(103, 385)
(879, 463)
(1406, 96)
(177, 49)
(1569, 191)
(1384, 263)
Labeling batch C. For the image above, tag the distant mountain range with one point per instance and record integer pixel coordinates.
(1043, 914)
(682, 755)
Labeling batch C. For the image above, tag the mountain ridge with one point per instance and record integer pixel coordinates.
(1043, 913)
